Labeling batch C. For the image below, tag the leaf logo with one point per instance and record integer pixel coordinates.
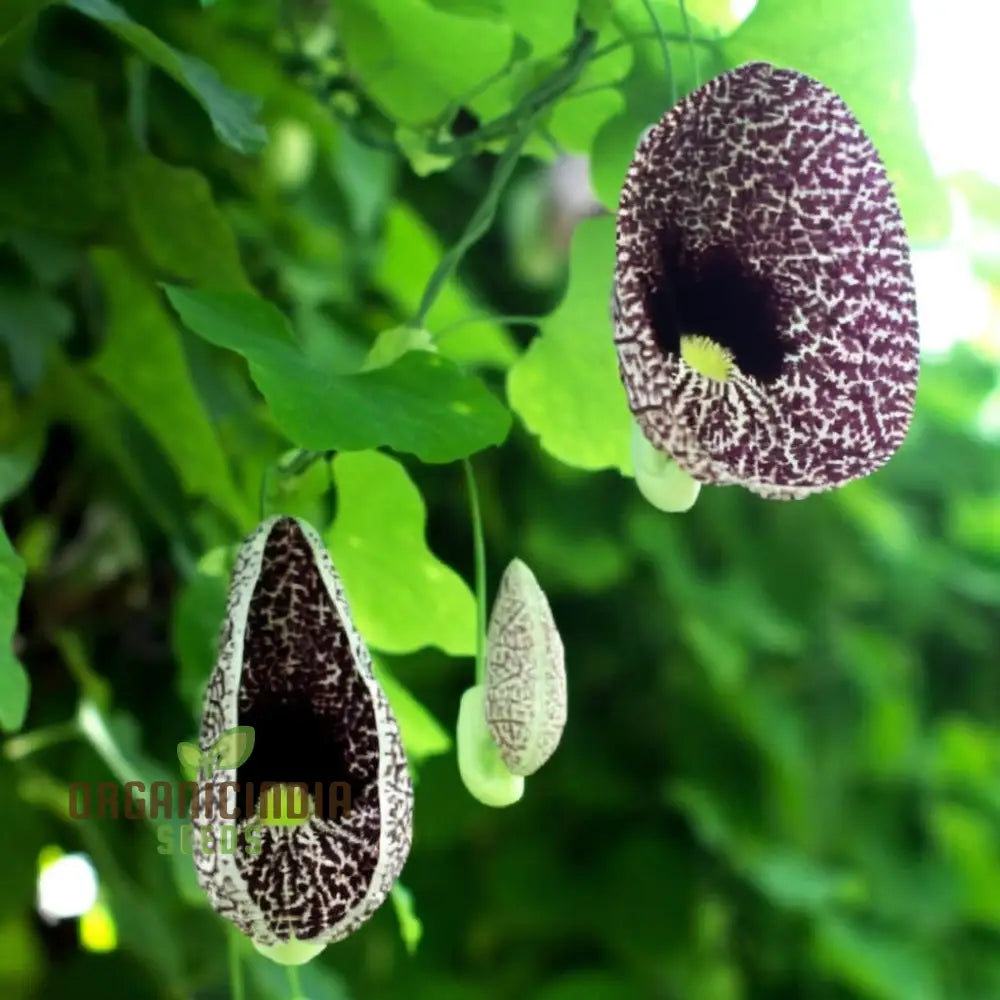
(231, 749)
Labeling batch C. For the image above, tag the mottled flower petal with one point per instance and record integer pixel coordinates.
(757, 214)
(293, 667)
(525, 700)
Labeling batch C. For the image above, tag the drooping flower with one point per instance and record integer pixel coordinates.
(764, 306)
(293, 668)
(510, 724)
(525, 695)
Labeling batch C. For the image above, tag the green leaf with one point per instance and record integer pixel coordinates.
(22, 439)
(411, 929)
(410, 253)
(234, 746)
(233, 115)
(645, 90)
(577, 119)
(143, 361)
(595, 13)
(416, 61)
(548, 27)
(45, 185)
(31, 320)
(13, 677)
(875, 963)
(794, 881)
(73, 394)
(865, 53)
(402, 597)
(422, 404)
(566, 387)
(198, 611)
(423, 736)
(14, 12)
(180, 229)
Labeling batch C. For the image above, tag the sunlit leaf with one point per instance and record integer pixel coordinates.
(423, 736)
(577, 119)
(411, 928)
(566, 387)
(410, 252)
(547, 27)
(865, 53)
(390, 44)
(402, 597)
(645, 88)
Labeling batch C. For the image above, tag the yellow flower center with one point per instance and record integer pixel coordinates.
(707, 357)
(284, 805)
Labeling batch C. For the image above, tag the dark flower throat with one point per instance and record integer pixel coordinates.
(716, 295)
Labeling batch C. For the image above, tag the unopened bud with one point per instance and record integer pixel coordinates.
(525, 673)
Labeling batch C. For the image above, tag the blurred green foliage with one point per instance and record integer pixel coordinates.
(781, 772)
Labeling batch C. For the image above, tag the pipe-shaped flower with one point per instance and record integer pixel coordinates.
(764, 306)
(292, 666)
(525, 697)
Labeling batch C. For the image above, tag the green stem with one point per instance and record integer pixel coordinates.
(593, 89)
(480, 222)
(532, 104)
(480, 569)
(24, 745)
(487, 318)
(642, 36)
(265, 482)
(299, 462)
(236, 991)
(692, 55)
(294, 983)
(665, 48)
(295, 466)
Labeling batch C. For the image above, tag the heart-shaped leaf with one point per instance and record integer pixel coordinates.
(422, 404)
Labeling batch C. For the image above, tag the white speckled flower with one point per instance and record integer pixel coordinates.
(764, 307)
(293, 668)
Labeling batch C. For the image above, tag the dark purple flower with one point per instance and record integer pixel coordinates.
(293, 668)
(764, 305)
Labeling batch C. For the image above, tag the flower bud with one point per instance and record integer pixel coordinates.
(525, 696)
